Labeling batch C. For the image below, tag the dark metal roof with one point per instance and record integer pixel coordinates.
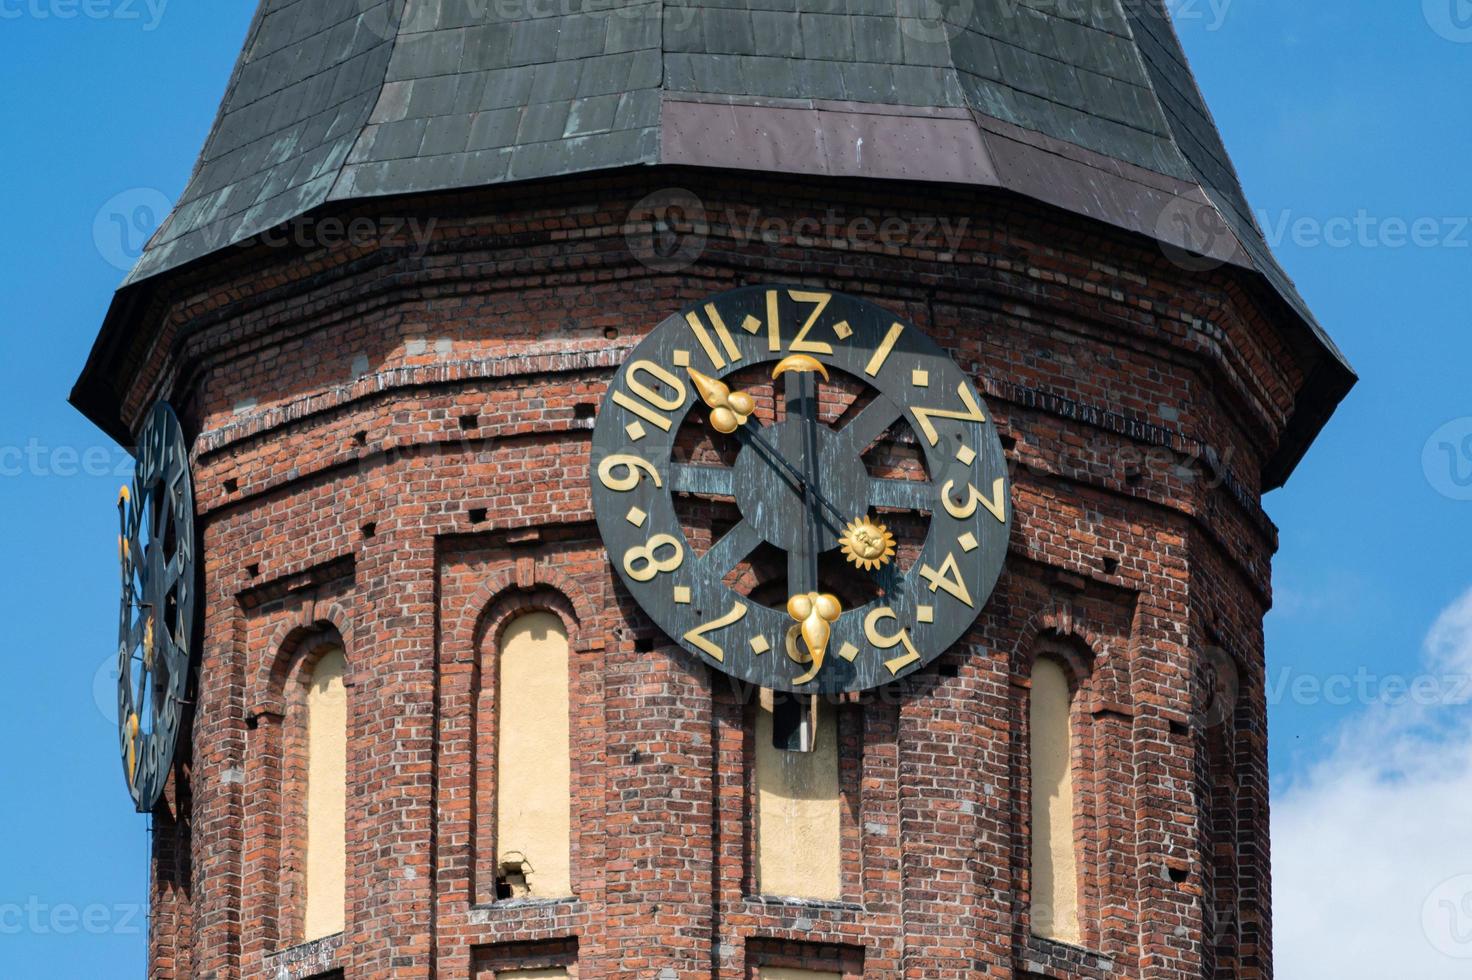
(1085, 104)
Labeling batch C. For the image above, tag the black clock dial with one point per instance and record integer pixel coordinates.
(800, 488)
(156, 617)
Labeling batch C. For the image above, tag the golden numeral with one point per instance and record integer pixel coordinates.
(774, 326)
(882, 642)
(996, 505)
(649, 395)
(973, 413)
(800, 343)
(727, 341)
(696, 637)
(949, 578)
(632, 466)
(703, 337)
(648, 565)
(881, 353)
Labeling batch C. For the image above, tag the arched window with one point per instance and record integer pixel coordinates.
(326, 797)
(533, 760)
(1055, 891)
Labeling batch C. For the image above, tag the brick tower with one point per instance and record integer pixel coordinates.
(433, 730)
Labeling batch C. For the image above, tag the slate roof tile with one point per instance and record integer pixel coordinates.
(334, 99)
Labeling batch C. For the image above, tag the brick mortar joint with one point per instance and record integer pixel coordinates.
(412, 375)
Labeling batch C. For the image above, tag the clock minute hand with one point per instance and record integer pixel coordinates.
(802, 481)
(731, 410)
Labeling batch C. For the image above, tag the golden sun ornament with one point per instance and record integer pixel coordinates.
(867, 543)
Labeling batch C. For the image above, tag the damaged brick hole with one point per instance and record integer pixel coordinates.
(477, 515)
(511, 874)
(370, 529)
(468, 422)
(584, 410)
(232, 485)
(1111, 565)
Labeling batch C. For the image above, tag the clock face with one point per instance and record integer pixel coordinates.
(800, 488)
(156, 617)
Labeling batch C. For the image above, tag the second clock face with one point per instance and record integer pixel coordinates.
(800, 488)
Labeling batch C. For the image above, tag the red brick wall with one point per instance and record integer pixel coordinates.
(391, 448)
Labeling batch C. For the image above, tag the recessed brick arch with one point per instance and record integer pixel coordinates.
(1061, 622)
(327, 620)
(527, 587)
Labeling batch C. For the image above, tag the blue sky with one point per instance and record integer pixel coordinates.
(1349, 125)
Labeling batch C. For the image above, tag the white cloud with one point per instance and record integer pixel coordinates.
(1372, 847)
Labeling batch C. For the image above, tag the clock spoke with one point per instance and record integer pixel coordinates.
(871, 423)
(902, 494)
(733, 548)
(714, 481)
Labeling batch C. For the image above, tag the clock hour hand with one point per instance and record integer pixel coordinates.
(729, 409)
